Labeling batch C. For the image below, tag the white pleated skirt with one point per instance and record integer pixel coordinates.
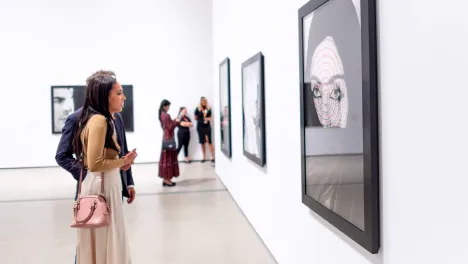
(105, 245)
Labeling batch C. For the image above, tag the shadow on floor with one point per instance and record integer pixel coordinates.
(192, 182)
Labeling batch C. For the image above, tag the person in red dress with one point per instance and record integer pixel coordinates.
(168, 163)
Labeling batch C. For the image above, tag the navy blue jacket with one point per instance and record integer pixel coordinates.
(66, 160)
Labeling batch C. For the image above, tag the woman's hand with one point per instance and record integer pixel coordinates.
(130, 157)
(127, 167)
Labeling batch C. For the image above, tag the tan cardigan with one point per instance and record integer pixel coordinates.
(93, 138)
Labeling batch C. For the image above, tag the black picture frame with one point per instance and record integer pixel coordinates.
(258, 73)
(369, 236)
(72, 96)
(225, 118)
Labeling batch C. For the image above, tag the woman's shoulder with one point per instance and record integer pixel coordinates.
(96, 124)
(98, 120)
(165, 115)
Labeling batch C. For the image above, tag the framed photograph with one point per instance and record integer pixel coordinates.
(225, 106)
(69, 98)
(253, 109)
(339, 120)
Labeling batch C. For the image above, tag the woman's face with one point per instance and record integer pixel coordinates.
(184, 111)
(116, 98)
(204, 102)
(166, 108)
(328, 85)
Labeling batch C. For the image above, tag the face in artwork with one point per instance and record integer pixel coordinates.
(63, 106)
(328, 85)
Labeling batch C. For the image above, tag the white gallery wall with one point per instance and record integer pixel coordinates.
(423, 128)
(162, 47)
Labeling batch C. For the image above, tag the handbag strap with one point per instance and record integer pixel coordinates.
(102, 174)
(102, 178)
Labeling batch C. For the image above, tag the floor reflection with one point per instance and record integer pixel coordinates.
(337, 182)
(197, 221)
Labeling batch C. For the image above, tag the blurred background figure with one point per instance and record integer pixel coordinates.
(203, 117)
(168, 163)
(183, 133)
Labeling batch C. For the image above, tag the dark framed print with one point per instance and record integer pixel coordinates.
(68, 98)
(225, 106)
(339, 120)
(253, 109)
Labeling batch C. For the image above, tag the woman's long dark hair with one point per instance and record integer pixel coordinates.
(96, 102)
(164, 103)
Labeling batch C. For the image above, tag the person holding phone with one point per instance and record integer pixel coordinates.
(168, 163)
(203, 117)
(183, 133)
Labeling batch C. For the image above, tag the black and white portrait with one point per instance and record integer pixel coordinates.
(68, 99)
(253, 105)
(63, 105)
(333, 108)
(339, 116)
(225, 106)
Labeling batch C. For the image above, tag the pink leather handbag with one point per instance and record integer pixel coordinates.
(91, 211)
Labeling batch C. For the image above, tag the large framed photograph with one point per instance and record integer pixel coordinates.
(253, 109)
(339, 120)
(225, 106)
(68, 98)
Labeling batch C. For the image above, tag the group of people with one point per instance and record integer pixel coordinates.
(93, 147)
(168, 162)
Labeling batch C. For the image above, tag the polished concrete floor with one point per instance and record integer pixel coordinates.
(195, 222)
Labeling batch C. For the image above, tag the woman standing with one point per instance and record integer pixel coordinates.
(168, 164)
(183, 133)
(203, 117)
(95, 144)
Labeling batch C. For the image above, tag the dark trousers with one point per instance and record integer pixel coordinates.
(184, 140)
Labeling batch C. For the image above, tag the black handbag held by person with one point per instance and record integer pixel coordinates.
(169, 144)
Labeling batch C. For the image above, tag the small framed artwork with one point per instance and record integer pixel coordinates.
(253, 109)
(225, 106)
(67, 99)
(339, 120)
